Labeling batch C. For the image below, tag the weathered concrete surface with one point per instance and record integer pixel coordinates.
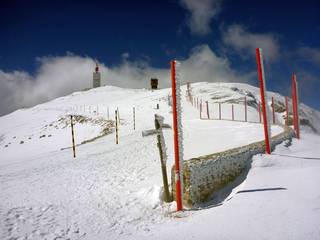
(205, 175)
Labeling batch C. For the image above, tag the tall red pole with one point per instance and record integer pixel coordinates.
(287, 112)
(295, 105)
(176, 140)
(245, 109)
(261, 76)
(219, 111)
(273, 114)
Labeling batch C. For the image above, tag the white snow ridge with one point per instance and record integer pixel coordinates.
(114, 191)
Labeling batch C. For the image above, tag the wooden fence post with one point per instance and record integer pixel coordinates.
(116, 118)
(72, 134)
(134, 118)
(273, 113)
(232, 112)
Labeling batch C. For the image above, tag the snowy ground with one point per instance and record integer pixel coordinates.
(280, 199)
(113, 191)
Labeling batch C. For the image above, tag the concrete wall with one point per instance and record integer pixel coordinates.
(207, 174)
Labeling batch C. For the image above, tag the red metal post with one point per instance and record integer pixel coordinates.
(232, 112)
(176, 141)
(263, 98)
(219, 111)
(295, 106)
(273, 114)
(245, 109)
(287, 112)
(208, 109)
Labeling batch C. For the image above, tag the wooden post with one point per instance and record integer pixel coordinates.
(163, 159)
(259, 111)
(273, 113)
(287, 111)
(208, 109)
(134, 118)
(200, 109)
(245, 109)
(232, 112)
(72, 134)
(116, 119)
(118, 115)
(219, 111)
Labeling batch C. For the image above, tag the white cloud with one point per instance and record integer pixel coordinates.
(309, 54)
(245, 42)
(58, 76)
(201, 13)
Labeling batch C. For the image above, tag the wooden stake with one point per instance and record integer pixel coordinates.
(273, 113)
(207, 109)
(134, 118)
(232, 112)
(116, 118)
(245, 109)
(163, 161)
(287, 111)
(72, 134)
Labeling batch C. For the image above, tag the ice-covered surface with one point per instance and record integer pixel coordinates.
(113, 191)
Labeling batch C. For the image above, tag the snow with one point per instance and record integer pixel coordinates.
(114, 191)
(279, 199)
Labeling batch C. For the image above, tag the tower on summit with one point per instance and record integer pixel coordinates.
(96, 77)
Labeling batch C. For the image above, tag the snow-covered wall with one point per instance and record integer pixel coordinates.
(207, 174)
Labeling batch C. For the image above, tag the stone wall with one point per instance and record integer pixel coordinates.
(205, 175)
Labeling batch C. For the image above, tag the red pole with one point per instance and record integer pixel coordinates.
(273, 114)
(245, 109)
(208, 109)
(232, 112)
(176, 141)
(219, 111)
(295, 105)
(287, 112)
(263, 98)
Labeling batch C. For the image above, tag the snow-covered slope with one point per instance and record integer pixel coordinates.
(113, 191)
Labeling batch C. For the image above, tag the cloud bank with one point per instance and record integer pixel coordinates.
(201, 13)
(245, 42)
(62, 75)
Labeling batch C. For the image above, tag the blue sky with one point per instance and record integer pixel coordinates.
(35, 33)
